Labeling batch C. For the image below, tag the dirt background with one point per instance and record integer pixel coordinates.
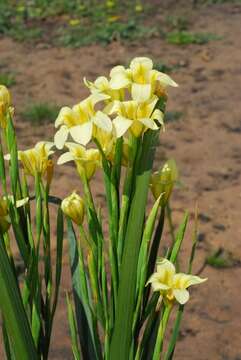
(205, 142)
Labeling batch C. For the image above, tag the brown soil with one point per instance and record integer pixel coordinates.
(205, 143)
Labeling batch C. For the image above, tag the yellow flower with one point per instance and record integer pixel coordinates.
(138, 8)
(86, 160)
(136, 117)
(5, 102)
(140, 78)
(102, 86)
(5, 220)
(171, 285)
(113, 18)
(73, 206)
(35, 160)
(74, 22)
(81, 121)
(162, 181)
(110, 4)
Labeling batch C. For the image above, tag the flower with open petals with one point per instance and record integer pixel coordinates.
(140, 78)
(136, 117)
(81, 121)
(86, 160)
(171, 285)
(102, 86)
(35, 160)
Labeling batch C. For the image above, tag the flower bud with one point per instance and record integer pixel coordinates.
(4, 216)
(5, 101)
(50, 171)
(162, 181)
(73, 206)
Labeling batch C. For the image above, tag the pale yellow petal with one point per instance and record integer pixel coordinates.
(182, 296)
(150, 124)
(102, 121)
(82, 133)
(145, 62)
(119, 81)
(65, 158)
(141, 92)
(60, 137)
(166, 80)
(121, 125)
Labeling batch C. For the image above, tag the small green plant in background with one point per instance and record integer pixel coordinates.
(75, 23)
(172, 116)
(186, 38)
(7, 79)
(39, 113)
(222, 258)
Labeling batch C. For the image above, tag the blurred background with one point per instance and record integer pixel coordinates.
(47, 47)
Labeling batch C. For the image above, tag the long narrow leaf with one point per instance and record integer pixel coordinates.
(13, 311)
(122, 335)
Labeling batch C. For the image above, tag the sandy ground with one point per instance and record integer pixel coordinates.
(205, 143)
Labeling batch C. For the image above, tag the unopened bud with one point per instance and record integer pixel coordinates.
(73, 206)
(4, 216)
(162, 181)
(5, 101)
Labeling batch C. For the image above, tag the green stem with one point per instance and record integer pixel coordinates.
(161, 333)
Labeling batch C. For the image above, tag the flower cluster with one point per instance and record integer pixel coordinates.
(124, 104)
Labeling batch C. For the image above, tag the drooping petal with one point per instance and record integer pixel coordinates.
(82, 133)
(65, 158)
(121, 125)
(102, 121)
(183, 281)
(150, 124)
(166, 80)
(182, 296)
(60, 137)
(140, 92)
(159, 116)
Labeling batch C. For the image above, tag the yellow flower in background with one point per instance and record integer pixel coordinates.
(136, 117)
(110, 4)
(36, 160)
(162, 181)
(74, 22)
(87, 160)
(140, 78)
(5, 102)
(5, 220)
(171, 285)
(73, 206)
(138, 8)
(81, 121)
